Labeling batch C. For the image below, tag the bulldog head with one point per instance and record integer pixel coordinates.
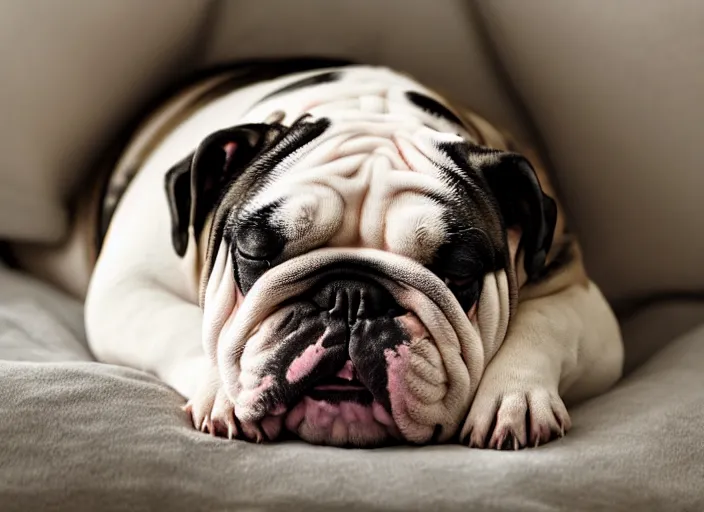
(358, 273)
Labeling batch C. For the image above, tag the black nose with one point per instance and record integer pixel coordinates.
(353, 299)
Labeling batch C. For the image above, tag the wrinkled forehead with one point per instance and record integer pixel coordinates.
(357, 173)
(385, 159)
(367, 127)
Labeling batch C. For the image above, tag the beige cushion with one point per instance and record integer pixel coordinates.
(617, 91)
(72, 73)
(81, 436)
(649, 329)
(83, 68)
(437, 42)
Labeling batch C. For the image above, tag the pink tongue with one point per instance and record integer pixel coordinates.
(347, 371)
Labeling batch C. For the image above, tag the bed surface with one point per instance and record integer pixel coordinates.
(77, 435)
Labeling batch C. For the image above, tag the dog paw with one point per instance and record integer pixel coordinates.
(212, 411)
(505, 419)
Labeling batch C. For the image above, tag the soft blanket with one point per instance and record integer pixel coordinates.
(76, 435)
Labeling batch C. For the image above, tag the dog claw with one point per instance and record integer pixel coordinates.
(516, 419)
(207, 425)
(220, 419)
(197, 422)
(231, 426)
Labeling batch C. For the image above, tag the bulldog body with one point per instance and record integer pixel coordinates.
(339, 253)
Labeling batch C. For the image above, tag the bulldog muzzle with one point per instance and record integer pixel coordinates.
(348, 346)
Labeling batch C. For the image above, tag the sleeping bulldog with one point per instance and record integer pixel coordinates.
(338, 253)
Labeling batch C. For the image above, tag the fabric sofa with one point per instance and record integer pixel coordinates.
(611, 92)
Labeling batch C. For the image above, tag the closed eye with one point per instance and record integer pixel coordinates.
(465, 290)
(458, 281)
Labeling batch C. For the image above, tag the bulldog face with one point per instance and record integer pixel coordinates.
(358, 274)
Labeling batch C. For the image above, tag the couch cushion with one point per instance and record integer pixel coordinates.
(617, 93)
(78, 436)
(650, 327)
(436, 42)
(83, 70)
(72, 74)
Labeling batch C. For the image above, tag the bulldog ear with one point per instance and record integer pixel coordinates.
(178, 195)
(524, 205)
(194, 185)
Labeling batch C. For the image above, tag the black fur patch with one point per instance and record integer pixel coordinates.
(517, 193)
(227, 225)
(322, 78)
(243, 73)
(334, 311)
(178, 190)
(434, 107)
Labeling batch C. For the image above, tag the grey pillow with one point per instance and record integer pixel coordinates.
(76, 435)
